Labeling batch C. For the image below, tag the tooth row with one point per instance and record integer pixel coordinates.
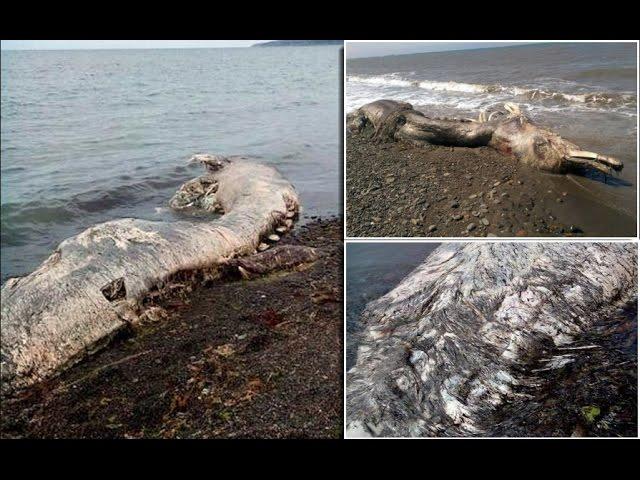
(281, 230)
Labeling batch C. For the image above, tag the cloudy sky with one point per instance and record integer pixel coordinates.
(380, 49)
(113, 44)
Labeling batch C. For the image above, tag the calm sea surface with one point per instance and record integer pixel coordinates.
(586, 92)
(91, 136)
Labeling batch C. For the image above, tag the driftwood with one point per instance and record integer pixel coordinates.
(94, 283)
(453, 341)
(510, 132)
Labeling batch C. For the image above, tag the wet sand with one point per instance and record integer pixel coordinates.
(235, 359)
(400, 190)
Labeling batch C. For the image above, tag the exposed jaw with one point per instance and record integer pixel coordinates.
(590, 159)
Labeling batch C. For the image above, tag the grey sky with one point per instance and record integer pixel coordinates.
(116, 44)
(380, 49)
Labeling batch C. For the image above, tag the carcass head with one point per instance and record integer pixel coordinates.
(517, 136)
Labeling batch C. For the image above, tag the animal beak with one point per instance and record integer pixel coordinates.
(594, 160)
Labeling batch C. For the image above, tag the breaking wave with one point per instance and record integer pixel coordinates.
(612, 99)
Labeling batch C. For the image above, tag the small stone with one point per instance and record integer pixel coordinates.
(376, 219)
(471, 197)
(273, 237)
(574, 229)
(471, 227)
(496, 184)
(485, 221)
(457, 217)
(291, 214)
(262, 247)
(281, 229)
(415, 221)
(455, 204)
(432, 228)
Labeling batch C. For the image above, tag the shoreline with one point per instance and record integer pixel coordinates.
(245, 359)
(400, 190)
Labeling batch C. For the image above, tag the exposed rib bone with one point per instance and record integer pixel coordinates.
(512, 108)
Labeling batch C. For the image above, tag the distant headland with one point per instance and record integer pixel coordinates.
(297, 43)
